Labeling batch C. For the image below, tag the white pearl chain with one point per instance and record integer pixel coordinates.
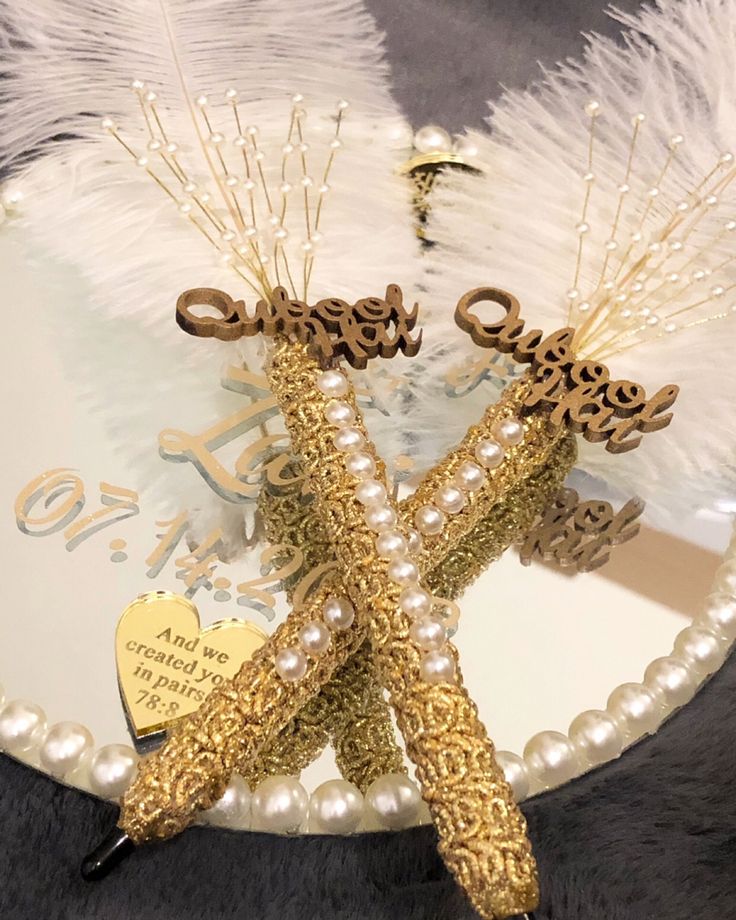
(634, 709)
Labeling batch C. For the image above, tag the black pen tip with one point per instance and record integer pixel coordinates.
(110, 853)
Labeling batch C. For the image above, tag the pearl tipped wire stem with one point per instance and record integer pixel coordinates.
(253, 265)
(278, 247)
(699, 210)
(169, 156)
(180, 174)
(284, 200)
(261, 276)
(230, 194)
(305, 186)
(246, 165)
(159, 123)
(623, 191)
(252, 243)
(259, 168)
(594, 111)
(323, 185)
(164, 188)
(269, 205)
(704, 250)
(598, 318)
(208, 159)
(141, 101)
(699, 303)
(603, 353)
(621, 336)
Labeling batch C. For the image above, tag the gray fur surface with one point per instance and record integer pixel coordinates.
(650, 837)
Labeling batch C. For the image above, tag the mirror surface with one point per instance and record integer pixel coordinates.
(538, 645)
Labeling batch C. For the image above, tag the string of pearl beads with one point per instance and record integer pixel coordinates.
(451, 497)
(393, 545)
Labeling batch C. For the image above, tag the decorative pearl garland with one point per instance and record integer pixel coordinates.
(633, 709)
(281, 804)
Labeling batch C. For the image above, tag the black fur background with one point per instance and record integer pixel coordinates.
(650, 837)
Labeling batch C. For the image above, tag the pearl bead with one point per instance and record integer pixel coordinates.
(428, 633)
(360, 464)
(469, 477)
(702, 649)
(450, 499)
(393, 800)
(415, 602)
(489, 454)
(333, 383)
(635, 709)
(671, 680)
(338, 613)
(314, 638)
(336, 807)
(232, 809)
(719, 615)
(64, 746)
(429, 520)
(380, 517)
(415, 541)
(509, 432)
(291, 664)
(516, 773)
(725, 579)
(112, 770)
(465, 147)
(22, 725)
(437, 668)
(551, 759)
(596, 737)
(339, 413)
(403, 572)
(432, 139)
(391, 543)
(349, 439)
(280, 805)
(371, 492)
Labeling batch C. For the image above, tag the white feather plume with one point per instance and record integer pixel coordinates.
(68, 63)
(513, 226)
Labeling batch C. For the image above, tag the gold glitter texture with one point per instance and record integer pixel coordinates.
(190, 772)
(482, 832)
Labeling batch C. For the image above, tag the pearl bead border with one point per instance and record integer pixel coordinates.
(550, 758)
(633, 710)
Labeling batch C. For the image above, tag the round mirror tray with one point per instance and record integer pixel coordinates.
(105, 497)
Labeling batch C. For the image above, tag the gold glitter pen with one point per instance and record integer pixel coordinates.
(454, 757)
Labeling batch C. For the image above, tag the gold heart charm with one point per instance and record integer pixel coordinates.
(167, 665)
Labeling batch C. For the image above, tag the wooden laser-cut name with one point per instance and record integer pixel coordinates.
(369, 328)
(579, 394)
(580, 534)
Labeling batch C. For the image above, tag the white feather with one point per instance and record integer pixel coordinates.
(513, 226)
(86, 205)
